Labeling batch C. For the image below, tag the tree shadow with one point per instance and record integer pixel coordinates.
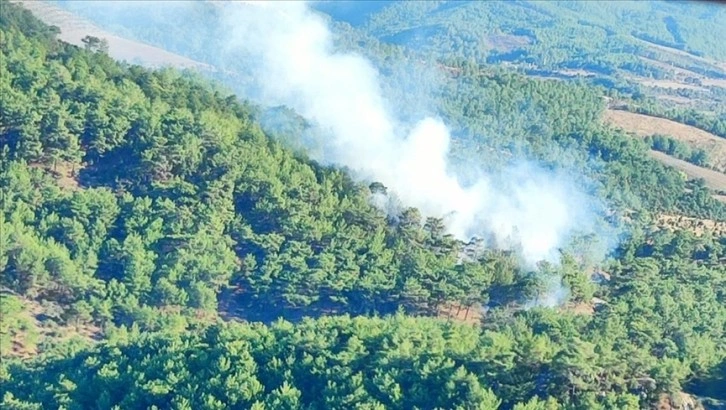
(710, 389)
(236, 304)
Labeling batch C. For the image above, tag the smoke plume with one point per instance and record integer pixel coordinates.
(292, 48)
(288, 52)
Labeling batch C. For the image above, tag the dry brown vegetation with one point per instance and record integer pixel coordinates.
(678, 401)
(671, 84)
(471, 315)
(679, 76)
(581, 308)
(676, 99)
(669, 60)
(645, 125)
(681, 53)
(714, 180)
(41, 329)
(65, 174)
(679, 72)
(507, 42)
(695, 225)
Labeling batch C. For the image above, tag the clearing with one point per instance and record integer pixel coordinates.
(679, 76)
(507, 42)
(41, 323)
(698, 79)
(718, 65)
(695, 225)
(65, 174)
(668, 84)
(672, 68)
(645, 125)
(714, 180)
(470, 315)
(716, 82)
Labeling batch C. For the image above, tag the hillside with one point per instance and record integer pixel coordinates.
(715, 180)
(675, 49)
(413, 85)
(667, 72)
(163, 245)
(685, 69)
(73, 29)
(647, 126)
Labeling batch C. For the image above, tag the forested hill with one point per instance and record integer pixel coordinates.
(688, 26)
(148, 220)
(662, 55)
(491, 109)
(661, 49)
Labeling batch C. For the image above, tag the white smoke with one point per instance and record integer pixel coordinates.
(289, 51)
(341, 93)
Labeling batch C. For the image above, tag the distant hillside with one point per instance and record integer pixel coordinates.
(74, 28)
(484, 110)
(647, 126)
(688, 28)
(713, 179)
(605, 40)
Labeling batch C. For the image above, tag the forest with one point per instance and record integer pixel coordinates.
(159, 248)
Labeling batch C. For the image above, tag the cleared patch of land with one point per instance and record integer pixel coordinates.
(714, 180)
(676, 99)
(713, 63)
(74, 28)
(471, 315)
(507, 42)
(41, 324)
(671, 84)
(716, 82)
(577, 73)
(684, 71)
(645, 125)
(64, 173)
(695, 225)
(675, 70)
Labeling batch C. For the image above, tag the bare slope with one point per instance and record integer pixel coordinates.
(695, 225)
(714, 180)
(645, 125)
(74, 28)
(713, 63)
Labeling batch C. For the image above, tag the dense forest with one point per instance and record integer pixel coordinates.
(160, 249)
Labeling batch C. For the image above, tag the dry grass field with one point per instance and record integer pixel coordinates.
(695, 225)
(645, 125)
(714, 180)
